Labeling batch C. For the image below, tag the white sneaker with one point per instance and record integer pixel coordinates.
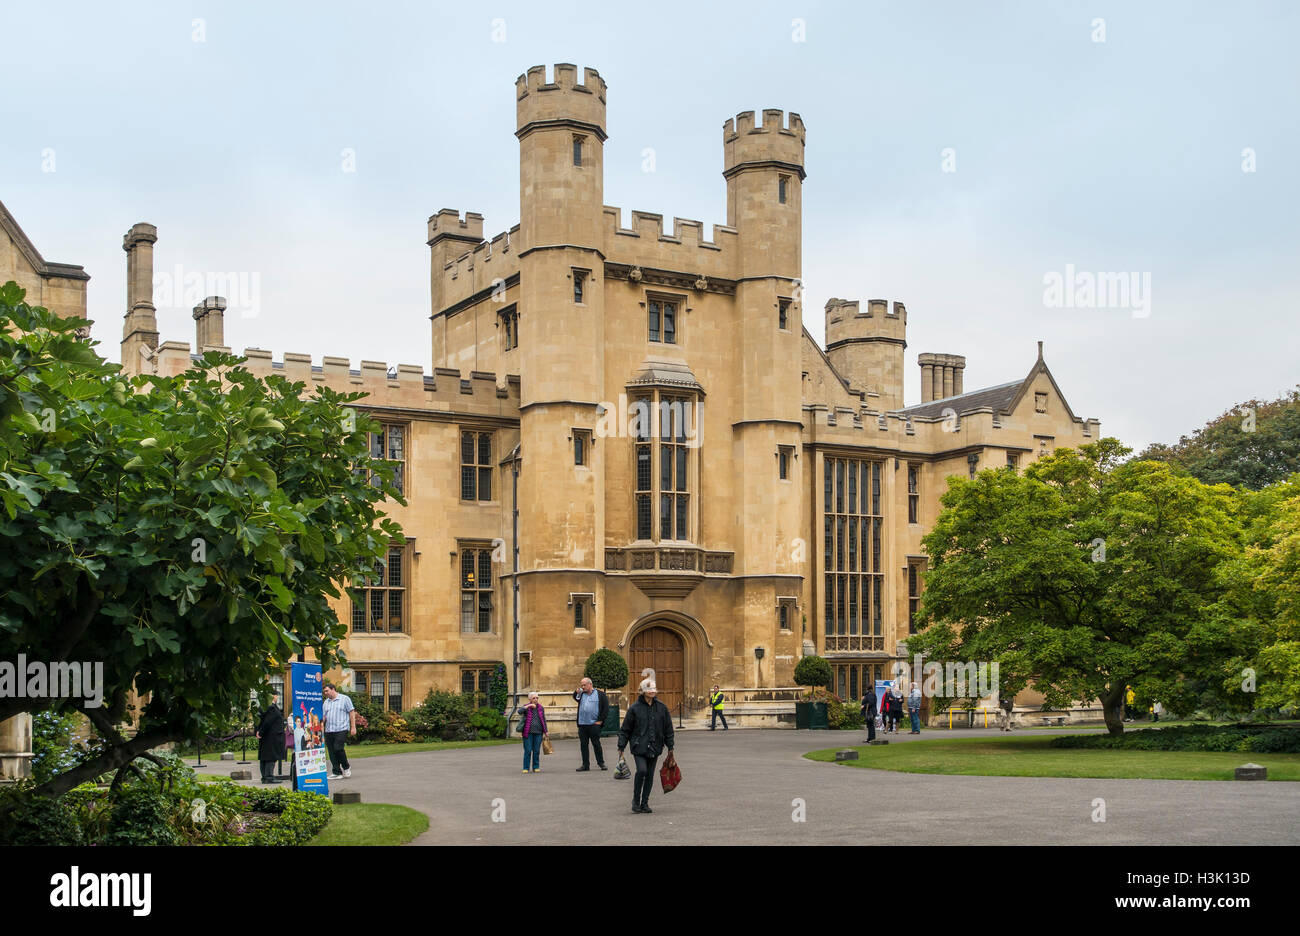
(347, 773)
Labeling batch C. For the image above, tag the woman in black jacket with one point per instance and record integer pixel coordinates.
(649, 727)
(270, 741)
(869, 713)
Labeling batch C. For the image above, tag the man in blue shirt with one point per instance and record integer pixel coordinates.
(593, 706)
(340, 721)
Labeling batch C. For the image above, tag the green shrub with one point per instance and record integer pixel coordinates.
(299, 816)
(142, 815)
(842, 715)
(375, 715)
(1260, 739)
(812, 671)
(39, 820)
(498, 692)
(487, 724)
(53, 750)
(606, 669)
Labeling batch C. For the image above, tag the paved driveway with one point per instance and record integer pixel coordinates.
(741, 787)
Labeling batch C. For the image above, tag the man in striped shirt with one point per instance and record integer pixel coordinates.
(340, 721)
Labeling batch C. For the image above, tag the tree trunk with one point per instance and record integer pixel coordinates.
(1112, 702)
(111, 759)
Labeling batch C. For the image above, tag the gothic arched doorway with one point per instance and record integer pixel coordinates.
(662, 650)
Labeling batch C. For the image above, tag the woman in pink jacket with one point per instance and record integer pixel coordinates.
(533, 730)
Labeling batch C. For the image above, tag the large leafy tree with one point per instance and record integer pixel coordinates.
(1253, 445)
(1083, 576)
(185, 532)
(1262, 603)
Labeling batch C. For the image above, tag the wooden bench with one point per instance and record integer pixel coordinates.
(1058, 720)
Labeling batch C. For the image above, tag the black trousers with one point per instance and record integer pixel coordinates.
(591, 734)
(717, 713)
(268, 769)
(334, 742)
(644, 781)
(871, 728)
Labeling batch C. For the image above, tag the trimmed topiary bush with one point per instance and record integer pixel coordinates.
(812, 671)
(606, 669)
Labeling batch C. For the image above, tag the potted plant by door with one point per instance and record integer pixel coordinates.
(815, 673)
(607, 670)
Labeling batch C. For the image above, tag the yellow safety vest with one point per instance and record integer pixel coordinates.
(718, 701)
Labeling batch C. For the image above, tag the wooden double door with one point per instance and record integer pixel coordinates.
(659, 649)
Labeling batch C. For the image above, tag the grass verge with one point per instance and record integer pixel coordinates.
(1032, 756)
(356, 751)
(372, 824)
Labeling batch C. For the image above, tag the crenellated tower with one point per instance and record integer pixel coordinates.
(867, 347)
(561, 316)
(763, 168)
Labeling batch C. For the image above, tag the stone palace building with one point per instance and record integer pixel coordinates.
(629, 440)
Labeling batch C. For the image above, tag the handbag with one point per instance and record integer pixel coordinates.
(670, 775)
(546, 745)
(622, 771)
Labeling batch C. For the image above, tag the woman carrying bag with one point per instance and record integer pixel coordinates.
(649, 728)
(532, 728)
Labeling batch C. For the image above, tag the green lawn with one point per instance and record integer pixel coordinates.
(356, 751)
(372, 824)
(1032, 756)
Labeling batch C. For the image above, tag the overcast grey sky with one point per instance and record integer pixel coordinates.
(1117, 156)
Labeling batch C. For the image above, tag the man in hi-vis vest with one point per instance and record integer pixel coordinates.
(716, 702)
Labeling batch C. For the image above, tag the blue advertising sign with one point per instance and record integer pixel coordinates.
(306, 716)
(882, 688)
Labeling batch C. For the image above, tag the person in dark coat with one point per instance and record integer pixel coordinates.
(270, 741)
(869, 713)
(649, 728)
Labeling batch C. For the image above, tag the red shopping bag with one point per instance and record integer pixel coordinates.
(670, 775)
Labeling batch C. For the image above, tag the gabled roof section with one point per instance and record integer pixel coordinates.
(33, 256)
(999, 399)
(1003, 398)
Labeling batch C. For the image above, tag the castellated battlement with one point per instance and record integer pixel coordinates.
(685, 249)
(775, 141)
(480, 267)
(401, 386)
(846, 319)
(448, 224)
(538, 101)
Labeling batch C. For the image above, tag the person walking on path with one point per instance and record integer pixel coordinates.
(649, 729)
(270, 740)
(869, 713)
(895, 708)
(716, 701)
(533, 731)
(1006, 703)
(593, 706)
(914, 708)
(340, 721)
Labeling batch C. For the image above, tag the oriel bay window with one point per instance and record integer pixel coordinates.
(665, 435)
(379, 604)
(852, 558)
(475, 589)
